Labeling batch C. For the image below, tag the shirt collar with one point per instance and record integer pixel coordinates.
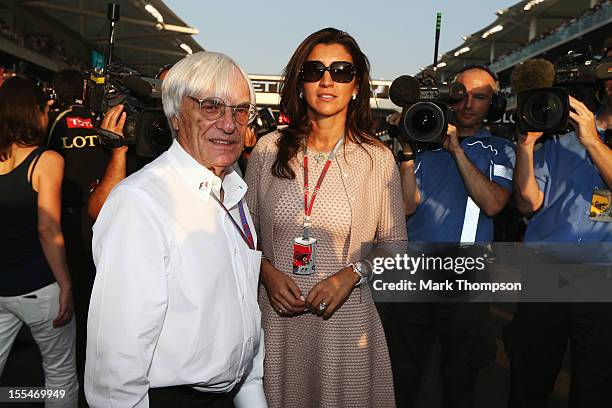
(482, 132)
(203, 181)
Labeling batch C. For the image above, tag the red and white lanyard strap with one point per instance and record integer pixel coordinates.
(308, 206)
(246, 235)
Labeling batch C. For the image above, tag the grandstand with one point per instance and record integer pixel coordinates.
(42, 37)
(529, 29)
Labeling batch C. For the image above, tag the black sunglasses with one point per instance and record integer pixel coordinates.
(340, 71)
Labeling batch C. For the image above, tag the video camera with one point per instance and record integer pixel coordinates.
(543, 90)
(146, 126)
(264, 122)
(425, 107)
(425, 104)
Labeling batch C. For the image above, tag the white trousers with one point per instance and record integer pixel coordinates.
(57, 345)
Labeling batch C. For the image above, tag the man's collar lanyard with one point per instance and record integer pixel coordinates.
(308, 206)
(246, 235)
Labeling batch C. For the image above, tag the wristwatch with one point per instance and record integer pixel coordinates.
(402, 157)
(358, 269)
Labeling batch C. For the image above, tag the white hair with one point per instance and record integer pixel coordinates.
(203, 71)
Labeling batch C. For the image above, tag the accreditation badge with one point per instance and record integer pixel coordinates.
(600, 205)
(304, 252)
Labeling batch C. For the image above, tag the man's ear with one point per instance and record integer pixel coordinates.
(174, 122)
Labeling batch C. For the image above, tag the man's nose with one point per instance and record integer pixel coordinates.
(466, 103)
(227, 122)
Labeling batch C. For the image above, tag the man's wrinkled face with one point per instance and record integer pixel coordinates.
(480, 87)
(215, 144)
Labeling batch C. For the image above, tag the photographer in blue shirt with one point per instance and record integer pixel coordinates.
(556, 185)
(450, 195)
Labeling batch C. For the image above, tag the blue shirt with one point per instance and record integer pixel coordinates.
(567, 176)
(446, 213)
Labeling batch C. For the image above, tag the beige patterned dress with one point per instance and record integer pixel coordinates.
(343, 361)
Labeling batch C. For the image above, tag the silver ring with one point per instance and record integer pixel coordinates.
(322, 306)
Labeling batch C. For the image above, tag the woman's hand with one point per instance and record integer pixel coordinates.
(329, 294)
(66, 308)
(284, 295)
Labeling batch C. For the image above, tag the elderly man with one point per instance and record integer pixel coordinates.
(174, 319)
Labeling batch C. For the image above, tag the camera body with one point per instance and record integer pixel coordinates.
(146, 126)
(546, 109)
(264, 122)
(425, 107)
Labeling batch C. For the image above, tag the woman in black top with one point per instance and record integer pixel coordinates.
(35, 286)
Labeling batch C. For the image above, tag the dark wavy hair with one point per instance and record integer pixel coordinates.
(21, 103)
(359, 123)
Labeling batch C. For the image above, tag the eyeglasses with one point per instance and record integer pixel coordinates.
(214, 108)
(340, 71)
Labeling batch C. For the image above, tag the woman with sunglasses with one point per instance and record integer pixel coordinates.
(326, 199)
(36, 286)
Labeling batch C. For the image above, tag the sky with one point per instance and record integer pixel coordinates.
(397, 36)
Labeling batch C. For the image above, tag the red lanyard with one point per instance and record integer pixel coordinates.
(247, 235)
(307, 206)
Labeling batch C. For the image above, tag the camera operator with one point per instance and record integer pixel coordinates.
(119, 164)
(116, 170)
(72, 134)
(556, 184)
(450, 195)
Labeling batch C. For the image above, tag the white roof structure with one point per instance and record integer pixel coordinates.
(528, 29)
(148, 34)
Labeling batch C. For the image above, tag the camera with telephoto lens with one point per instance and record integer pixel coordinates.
(264, 122)
(426, 108)
(543, 92)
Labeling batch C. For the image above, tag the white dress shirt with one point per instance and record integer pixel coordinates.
(175, 296)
